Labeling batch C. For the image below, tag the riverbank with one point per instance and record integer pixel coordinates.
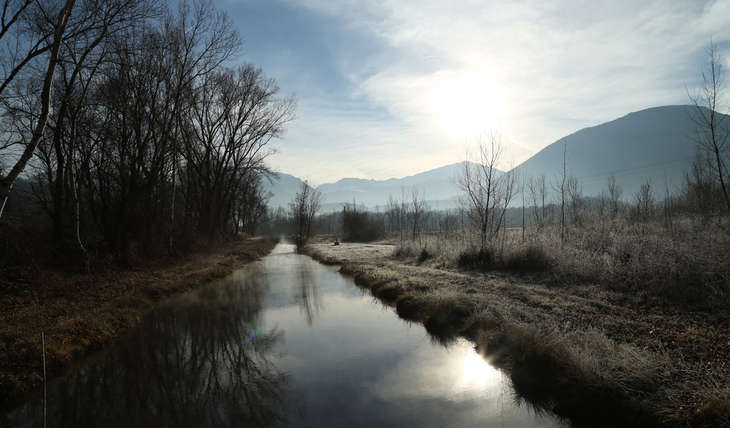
(581, 351)
(82, 313)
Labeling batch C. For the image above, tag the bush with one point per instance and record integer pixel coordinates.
(472, 259)
(531, 258)
(403, 252)
(425, 255)
(357, 226)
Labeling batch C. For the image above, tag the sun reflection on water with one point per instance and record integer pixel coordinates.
(476, 372)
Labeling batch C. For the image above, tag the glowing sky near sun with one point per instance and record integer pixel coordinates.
(395, 87)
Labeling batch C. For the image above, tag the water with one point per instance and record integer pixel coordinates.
(284, 341)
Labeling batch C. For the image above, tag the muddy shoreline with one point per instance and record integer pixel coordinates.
(579, 351)
(81, 314)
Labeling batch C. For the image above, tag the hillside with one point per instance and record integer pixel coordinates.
(438, 185)
(281, 190)
(656, 144)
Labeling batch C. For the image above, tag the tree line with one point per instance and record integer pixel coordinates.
(136, 132)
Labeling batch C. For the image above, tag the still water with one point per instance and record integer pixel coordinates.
(285, 341)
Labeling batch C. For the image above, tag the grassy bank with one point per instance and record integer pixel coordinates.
(687, 265)
(81, 313)
(583, 351)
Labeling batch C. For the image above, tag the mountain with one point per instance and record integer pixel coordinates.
(655, 144)
(281, 189)
(438, 185)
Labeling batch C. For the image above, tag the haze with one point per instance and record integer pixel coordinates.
(380, 213)
(393, 88)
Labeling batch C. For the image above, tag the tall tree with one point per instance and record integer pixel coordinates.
(713, 130)
(419, 210)
(614, 195)
(484, 188)
(303, 209)
(38, 17)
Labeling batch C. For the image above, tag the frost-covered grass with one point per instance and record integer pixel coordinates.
(689, 266)
(592, 348)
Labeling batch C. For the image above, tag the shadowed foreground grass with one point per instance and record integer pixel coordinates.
(583, 352)
(80, 314)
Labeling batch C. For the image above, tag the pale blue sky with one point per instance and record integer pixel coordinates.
(390, 88)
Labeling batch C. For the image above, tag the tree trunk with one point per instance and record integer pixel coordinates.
(6, 183)
(718, 160)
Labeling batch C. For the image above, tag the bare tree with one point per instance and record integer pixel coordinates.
(614, 195)
(201, 39)
(602, 205)
(392, 214)
(537, 188)
(57, 32)
(508, 186)
(418, 211)
(448, 225)
(713, 132)
(485, 189)
(303, 209)
(701, 187)
(236, 115)
(561, 187)
(522, 194)
(403, 215)
(63, 153)
(508, 183)
(575, 196)
(669, 206)
(138, 107)
(645, 201)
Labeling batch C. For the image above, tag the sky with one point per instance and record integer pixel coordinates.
(390, 88)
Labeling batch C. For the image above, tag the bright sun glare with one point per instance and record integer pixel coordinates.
(467, 105)
(475, 371)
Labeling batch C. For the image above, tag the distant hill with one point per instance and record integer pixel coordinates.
(438, 185)
(281, 189)
(655, 144)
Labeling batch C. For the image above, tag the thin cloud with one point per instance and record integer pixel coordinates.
(538, 71)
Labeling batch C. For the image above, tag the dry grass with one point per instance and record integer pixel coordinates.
(689, 267)
(586, 351)
(81, 313)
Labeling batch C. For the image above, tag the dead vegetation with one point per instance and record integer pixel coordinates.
(80, 313)
(592, 353)
(687, 268)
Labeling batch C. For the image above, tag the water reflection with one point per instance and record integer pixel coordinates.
(285, 341)
(200, 361)
(307, 293)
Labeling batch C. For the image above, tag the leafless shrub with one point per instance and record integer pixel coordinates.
(713, 131)
(527, 258)
(303, 208)
(487, 192)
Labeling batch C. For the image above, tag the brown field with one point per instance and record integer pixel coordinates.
(583, 350)
(81, 313)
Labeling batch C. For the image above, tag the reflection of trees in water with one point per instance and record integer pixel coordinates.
(307, 293)
(196, 363)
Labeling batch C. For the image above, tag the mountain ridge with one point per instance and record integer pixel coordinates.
(653, 144)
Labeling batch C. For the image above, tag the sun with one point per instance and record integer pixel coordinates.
(467, 104)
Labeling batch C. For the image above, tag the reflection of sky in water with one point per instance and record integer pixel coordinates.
(285, 339)
(359, 364)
